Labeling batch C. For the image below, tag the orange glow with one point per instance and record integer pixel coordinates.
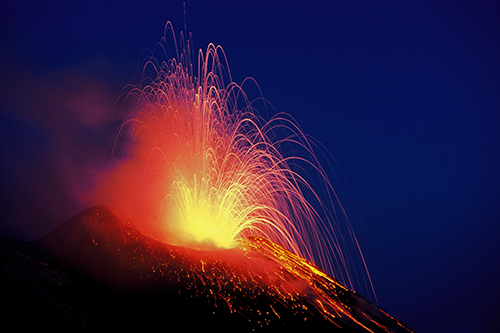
(201, 169)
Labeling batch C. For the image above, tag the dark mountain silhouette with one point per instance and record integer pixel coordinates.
(96, 272)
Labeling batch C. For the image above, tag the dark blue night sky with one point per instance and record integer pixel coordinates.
(405, 95)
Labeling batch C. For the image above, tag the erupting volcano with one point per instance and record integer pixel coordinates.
(212, 223)
(196, 166)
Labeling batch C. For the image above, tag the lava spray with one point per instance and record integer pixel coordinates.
(198, 167)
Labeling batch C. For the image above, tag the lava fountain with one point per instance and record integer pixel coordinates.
(199, 168)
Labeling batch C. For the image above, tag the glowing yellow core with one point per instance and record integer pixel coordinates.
(205, 215)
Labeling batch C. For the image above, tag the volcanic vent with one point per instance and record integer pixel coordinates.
(118, 278)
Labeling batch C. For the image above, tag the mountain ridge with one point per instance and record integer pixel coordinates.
(139, 282)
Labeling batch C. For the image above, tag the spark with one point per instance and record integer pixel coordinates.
(206, 171)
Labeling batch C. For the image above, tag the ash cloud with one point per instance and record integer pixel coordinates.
(55, 127)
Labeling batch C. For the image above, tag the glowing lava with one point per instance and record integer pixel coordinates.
(201, 169)
(121, 278)
(219, 176)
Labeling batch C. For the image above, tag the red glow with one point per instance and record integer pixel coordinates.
(201, 169)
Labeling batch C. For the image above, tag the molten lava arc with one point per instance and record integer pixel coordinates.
(201, 169)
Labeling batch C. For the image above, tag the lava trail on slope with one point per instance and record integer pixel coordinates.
(97, 272)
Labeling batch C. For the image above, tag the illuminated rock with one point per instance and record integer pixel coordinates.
(116, 278)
